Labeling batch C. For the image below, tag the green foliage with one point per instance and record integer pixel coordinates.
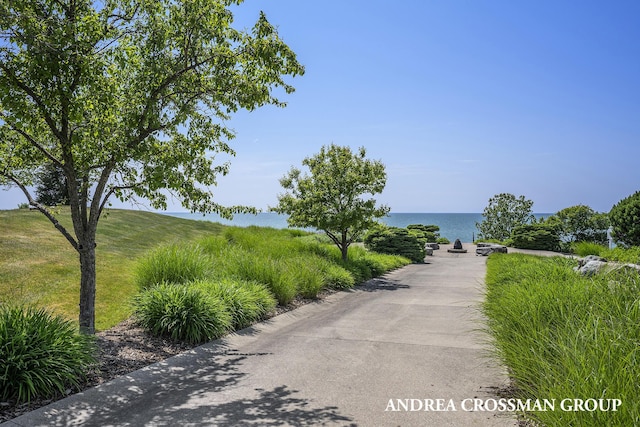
(620, 254)
(562, 335)
(397, 241)
(129, 99)
(625, 220)
(587, 248)
(182, 312)
(51, 189)
(41, 354)
(247, 302)
(172, 264)
(427, 228)
(539, 236)
(503, 214)
(443, 241)
(331, 197)
(581, 224)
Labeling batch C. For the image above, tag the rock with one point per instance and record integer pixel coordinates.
(428, 251)
(434, 246)
(487, 249)
(591, 267)
(457, 244)
(592, 258)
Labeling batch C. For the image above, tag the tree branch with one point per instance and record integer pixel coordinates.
(38, 101)
(31, 140)
(42, 209)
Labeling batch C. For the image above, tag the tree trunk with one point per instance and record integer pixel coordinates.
(87, 250)
(344, 247)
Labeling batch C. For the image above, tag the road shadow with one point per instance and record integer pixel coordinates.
(188, 392)
(381, 284)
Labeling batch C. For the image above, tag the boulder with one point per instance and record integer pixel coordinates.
(485, 249)
(591, 267)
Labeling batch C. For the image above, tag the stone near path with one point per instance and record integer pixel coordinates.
(457, 248)
(485, 249)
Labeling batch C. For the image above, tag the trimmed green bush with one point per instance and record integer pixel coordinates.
(182, 312)
(625, 220)
(172, 264)
(41, 354)
(443, 240)
(536, 236)
(395, 241)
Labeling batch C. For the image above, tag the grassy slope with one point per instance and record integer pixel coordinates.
(38, 265)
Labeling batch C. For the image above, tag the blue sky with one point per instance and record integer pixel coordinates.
(461, 100)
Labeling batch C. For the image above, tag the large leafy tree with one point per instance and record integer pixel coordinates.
(128, 98)
(333, 196)
(580, 223)
(503, 213)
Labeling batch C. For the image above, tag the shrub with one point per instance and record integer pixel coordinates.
(247, 302)
(336, 277)
(443, 240)
(182, 312)
(536, 236)
(588, 248)
(269, 271)
(41, 354)
(172, 264)
(625, 220)
(307, 274)
(395, 241)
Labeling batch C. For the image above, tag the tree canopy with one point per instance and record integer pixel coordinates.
(580, 223)
(332, 197)
(625, 220)
(503, 213)
(128, 98)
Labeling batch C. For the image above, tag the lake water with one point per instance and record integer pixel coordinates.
(452, 225)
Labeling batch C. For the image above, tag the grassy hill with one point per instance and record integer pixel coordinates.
(38, 265)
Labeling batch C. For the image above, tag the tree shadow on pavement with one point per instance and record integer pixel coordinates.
(381, 284)
(188, 390)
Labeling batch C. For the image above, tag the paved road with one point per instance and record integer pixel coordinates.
(346, 361)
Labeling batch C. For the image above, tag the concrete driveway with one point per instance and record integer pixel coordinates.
(404, 350)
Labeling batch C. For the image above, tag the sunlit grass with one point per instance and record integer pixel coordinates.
(39, 266)
(563, 335)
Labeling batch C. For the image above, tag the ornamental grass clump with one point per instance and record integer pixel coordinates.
(182, 312)
(40, 354)
(247, 302)
(588, 248)
(172, 264)
(565, 336)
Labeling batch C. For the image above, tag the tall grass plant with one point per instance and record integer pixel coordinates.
(564, 336)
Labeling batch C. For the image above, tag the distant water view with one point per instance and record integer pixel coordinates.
(452, 225)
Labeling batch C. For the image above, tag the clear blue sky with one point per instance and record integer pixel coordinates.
(460, 100)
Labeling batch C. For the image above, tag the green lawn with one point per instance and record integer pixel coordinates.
(39, 266)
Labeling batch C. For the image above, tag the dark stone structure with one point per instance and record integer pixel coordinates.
(457, 248)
